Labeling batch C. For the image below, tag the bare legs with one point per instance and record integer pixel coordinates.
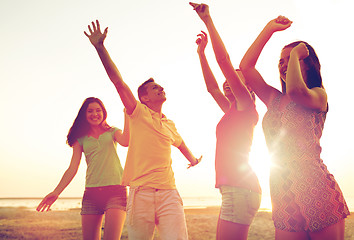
(333, 232)
(114, 222)
(231, 231)
(92, 224)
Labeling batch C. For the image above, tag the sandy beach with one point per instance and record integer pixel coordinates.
(21, 223)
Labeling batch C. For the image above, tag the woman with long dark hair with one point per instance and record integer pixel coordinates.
(104, 196)
(307, 202)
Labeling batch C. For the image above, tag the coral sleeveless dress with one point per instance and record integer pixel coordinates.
(305, 196)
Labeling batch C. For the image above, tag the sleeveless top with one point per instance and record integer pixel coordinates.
(234, 134)
(299, 178)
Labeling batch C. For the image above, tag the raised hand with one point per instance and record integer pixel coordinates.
(279, 24)
(202, 41)
(96, 37)
(202, 10)
(301, 51)
(47, 202)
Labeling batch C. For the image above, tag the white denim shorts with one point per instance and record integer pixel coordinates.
(149, 207)
(239, 205)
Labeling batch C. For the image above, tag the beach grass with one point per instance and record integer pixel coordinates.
(22, 223)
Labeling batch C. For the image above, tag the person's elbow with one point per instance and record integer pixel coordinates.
(223, 60)
(244, 67)
(124, 141)
(182, 146)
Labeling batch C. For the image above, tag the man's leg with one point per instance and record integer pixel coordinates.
(140, 214)
(171, 222)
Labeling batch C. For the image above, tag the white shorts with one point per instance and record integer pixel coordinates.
(149, 207)
(239, 205)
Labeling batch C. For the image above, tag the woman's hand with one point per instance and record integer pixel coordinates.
(202, 10)
(202, 41)
(96, 37)
(279, 24)
(47, 202)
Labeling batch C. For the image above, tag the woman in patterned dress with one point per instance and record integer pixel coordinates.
(307, 202)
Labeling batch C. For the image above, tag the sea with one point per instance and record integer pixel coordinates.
(64, 204)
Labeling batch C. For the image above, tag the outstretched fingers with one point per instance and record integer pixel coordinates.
(43, 206)
(94, 26)
(105, 31)
(94, 33)
(90, 30)
(98, 25)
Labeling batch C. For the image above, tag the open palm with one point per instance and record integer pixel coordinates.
(96, 37)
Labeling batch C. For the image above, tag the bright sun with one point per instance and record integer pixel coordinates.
(260, 163)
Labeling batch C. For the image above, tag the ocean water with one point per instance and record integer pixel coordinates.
(75, 203)
(32, 203)
(188, 202)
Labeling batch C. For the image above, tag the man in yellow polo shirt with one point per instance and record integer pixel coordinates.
(153, 198)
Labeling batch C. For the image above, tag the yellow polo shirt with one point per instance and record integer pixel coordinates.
(149, 160)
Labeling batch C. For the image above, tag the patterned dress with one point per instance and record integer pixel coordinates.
(305, 196)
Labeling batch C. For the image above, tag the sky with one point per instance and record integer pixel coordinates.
(48, 67)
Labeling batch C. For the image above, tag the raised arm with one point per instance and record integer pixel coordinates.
(248, 63)
(97, 38)
(210, 81)
(240, 91)
(314, 98)
(189, 155)
(68, 176)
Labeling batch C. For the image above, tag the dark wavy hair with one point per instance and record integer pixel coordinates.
(314, 78)
(80, 125)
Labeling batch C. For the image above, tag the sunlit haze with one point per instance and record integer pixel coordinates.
(48, 67)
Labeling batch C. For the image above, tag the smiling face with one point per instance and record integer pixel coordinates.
(154, 93)
(94, 114)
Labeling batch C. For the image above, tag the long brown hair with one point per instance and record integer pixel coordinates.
(80, 125)
(314, 78)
